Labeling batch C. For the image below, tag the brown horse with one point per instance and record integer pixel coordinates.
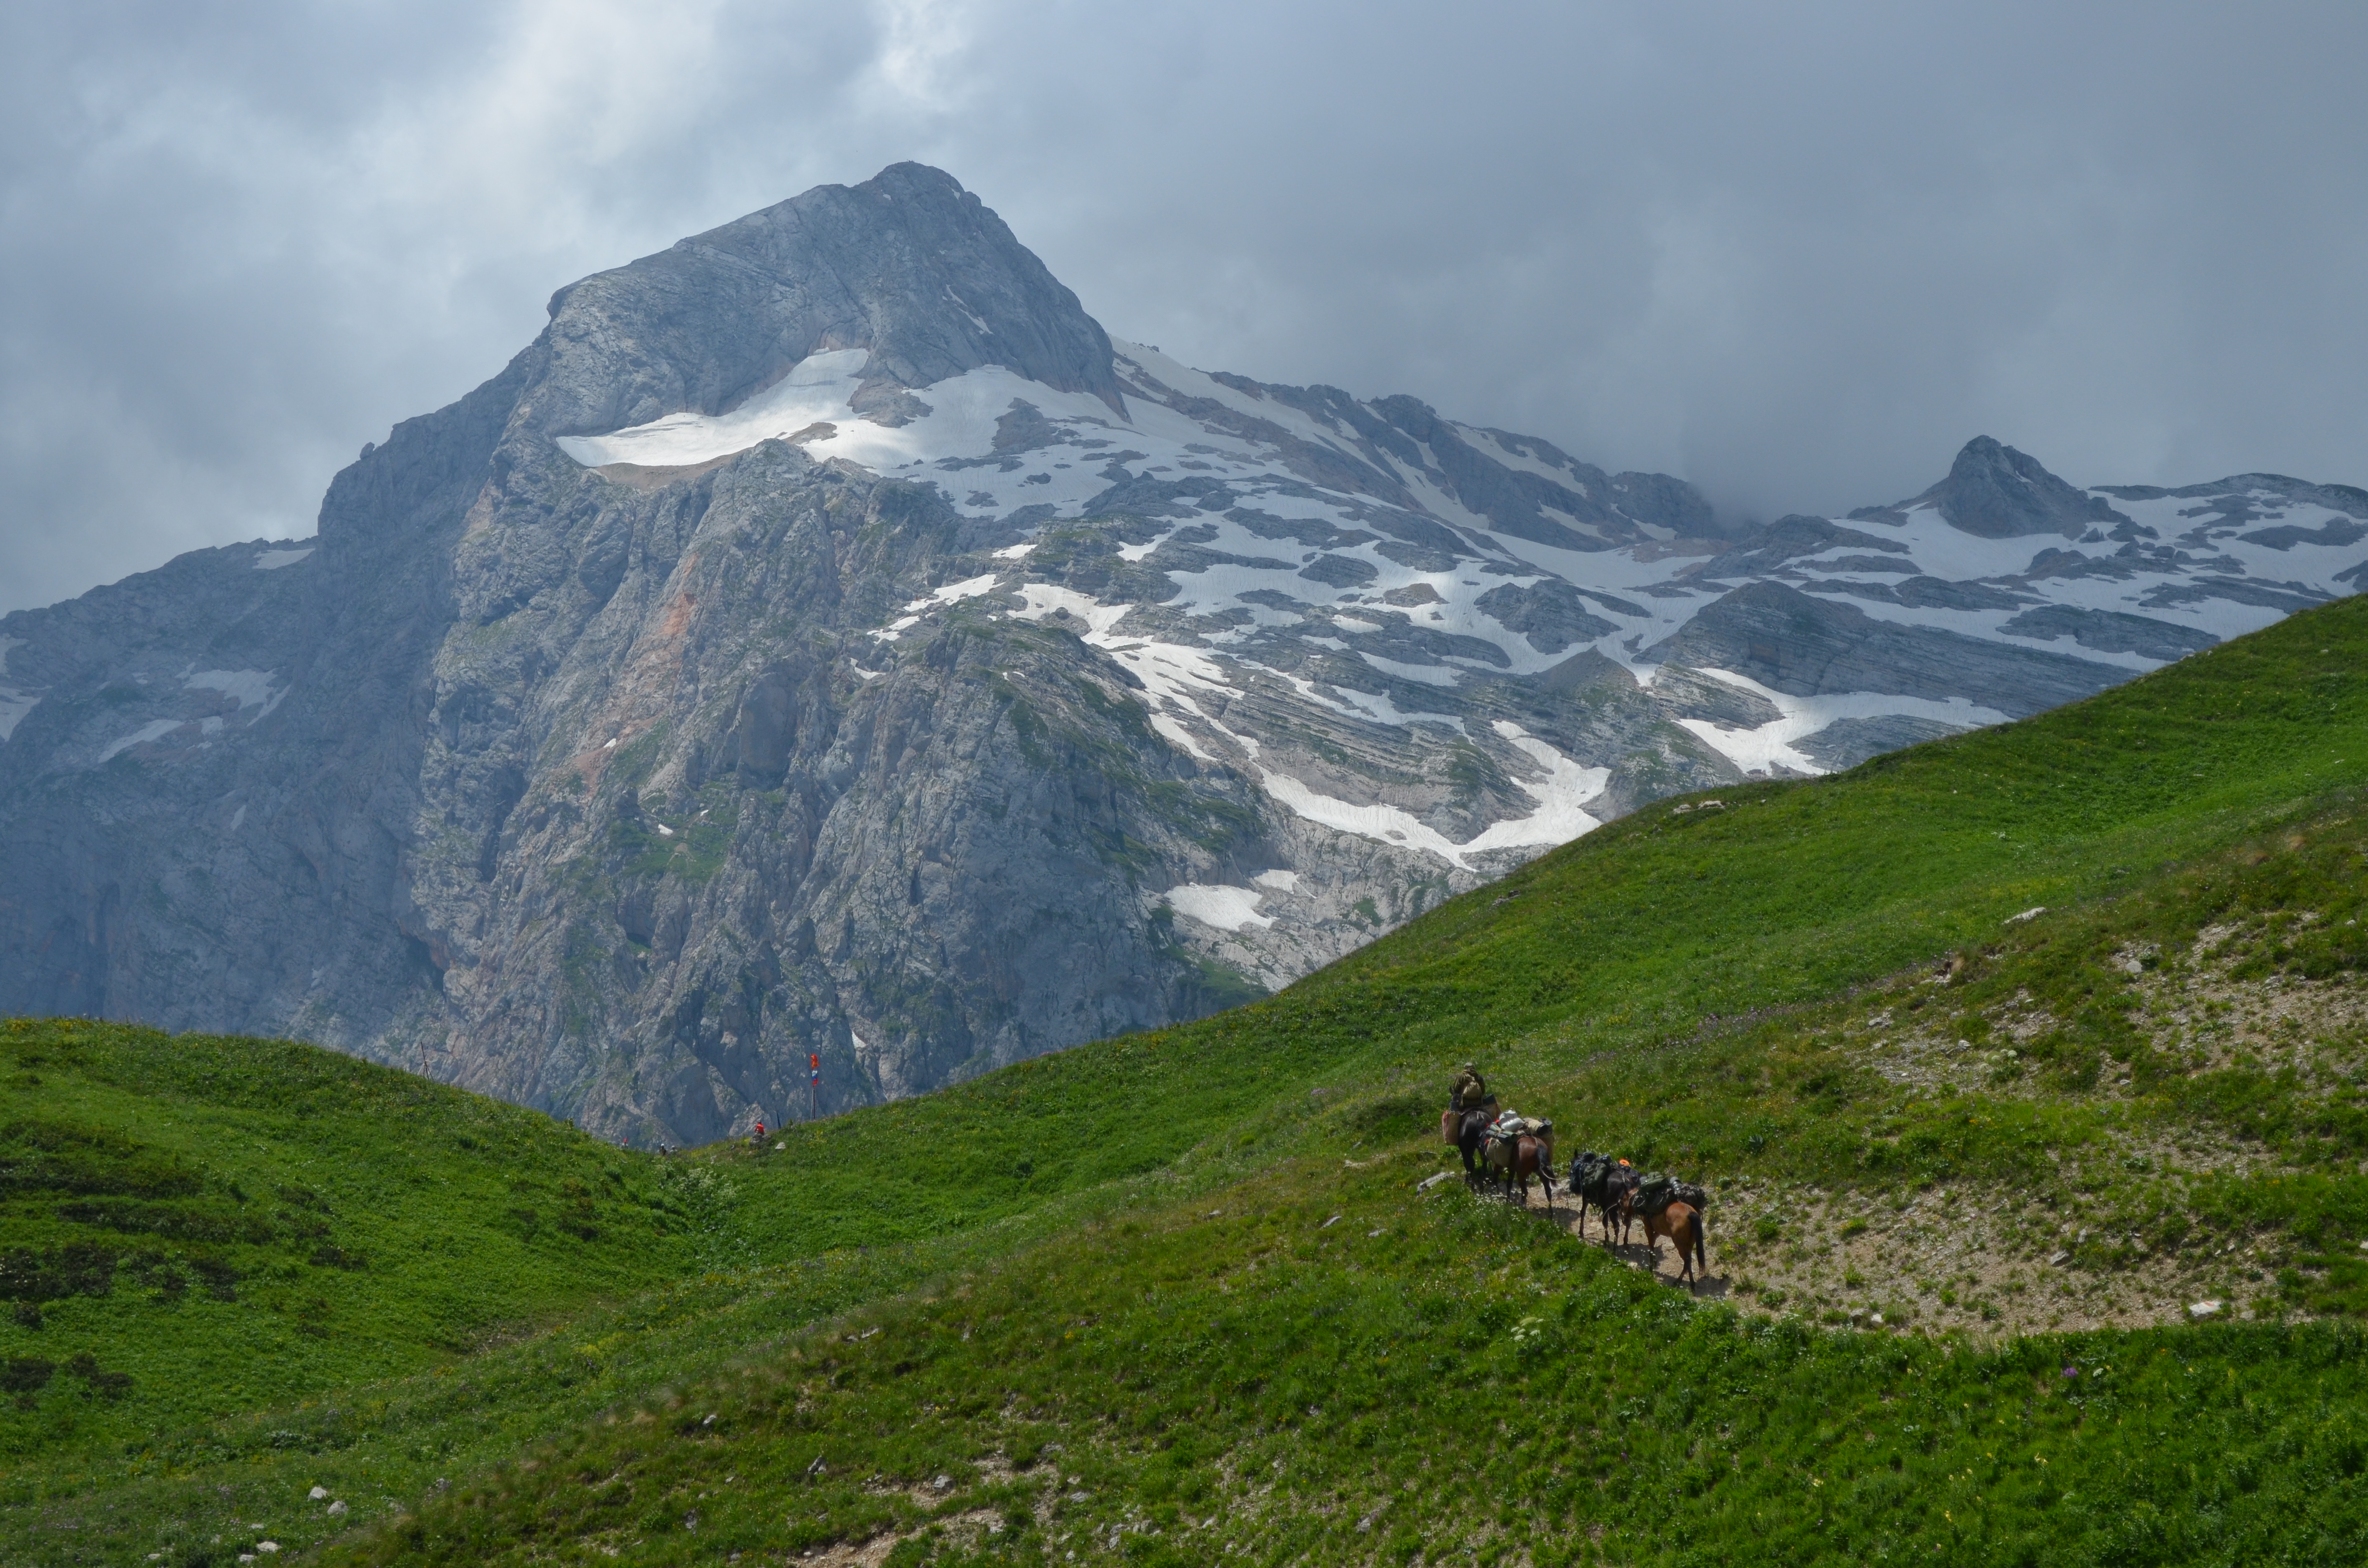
(1520, 1159)
(1682, 1225)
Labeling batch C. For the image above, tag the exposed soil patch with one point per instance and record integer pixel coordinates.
(2089, 1249)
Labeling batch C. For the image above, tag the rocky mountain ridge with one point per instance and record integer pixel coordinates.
(823, 639)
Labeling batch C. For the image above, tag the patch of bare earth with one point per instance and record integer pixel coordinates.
(965, 1530)
(1992, 1263)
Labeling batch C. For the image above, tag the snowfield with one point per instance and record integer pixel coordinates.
(1301, 555)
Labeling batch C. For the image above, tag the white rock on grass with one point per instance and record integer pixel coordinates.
(2203, 1309)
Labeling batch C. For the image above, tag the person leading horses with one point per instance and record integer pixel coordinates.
(1471, 1091)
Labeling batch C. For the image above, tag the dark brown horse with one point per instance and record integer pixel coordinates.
(1624, 1182)
(1518, 1159)
(1471, 1132)
(1451, 1122)
(1682, 1225)
(1606, 1183)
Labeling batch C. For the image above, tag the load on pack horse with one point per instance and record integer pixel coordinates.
(1516, 1147)
(1606, 1183)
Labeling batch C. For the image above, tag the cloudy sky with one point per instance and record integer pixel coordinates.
(1797, 253)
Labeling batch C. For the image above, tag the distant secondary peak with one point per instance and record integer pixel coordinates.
(1995, 492)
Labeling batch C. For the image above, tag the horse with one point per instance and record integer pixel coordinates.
(1517, 1160)
(1677, 1222)
(1606, 1183)
(1450, 1121)
(1470, 1133)
(1586, 1182)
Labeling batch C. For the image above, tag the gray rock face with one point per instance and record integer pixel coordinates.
(2109, 631)
(1846, 743)
(1810, 646)
(1995, 491)
(906, 264)
(824, 643)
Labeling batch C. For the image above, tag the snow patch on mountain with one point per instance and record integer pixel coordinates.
(1225, 908)
(14, 704)
(154, 730)
(818, 390)
(1769, 748)
(251, 687)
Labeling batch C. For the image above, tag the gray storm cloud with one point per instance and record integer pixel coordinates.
(1795, 254)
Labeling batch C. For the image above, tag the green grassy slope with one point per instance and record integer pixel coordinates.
(1441, 1380)
(1703, 987)
(235, 1224)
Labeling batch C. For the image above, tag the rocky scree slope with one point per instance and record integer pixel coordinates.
(824, 640)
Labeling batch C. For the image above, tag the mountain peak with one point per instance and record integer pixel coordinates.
(907, 266)
(1995, 492)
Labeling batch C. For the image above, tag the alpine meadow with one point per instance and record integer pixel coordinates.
(2023, 1067)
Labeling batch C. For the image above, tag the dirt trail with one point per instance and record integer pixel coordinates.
(1964, 1258)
